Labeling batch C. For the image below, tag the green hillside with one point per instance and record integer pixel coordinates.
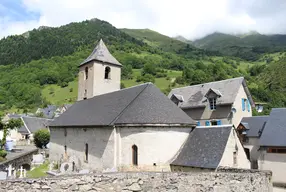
(249, 47)
(41, 66)
(166, 43)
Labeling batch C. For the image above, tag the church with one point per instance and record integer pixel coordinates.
(134, 129)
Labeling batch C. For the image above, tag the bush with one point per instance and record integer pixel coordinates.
(71, 89)
(42, 138)
(3, 153)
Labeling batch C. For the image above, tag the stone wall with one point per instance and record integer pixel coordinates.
(232, 180)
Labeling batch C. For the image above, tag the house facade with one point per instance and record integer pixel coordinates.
(209, 148)
(30, 126)
(215, 103)
(249, 131)
(273, 145)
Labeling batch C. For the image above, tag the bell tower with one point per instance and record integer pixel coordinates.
(100, 73)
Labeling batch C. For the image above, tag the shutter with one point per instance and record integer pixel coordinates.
(207, 123)
(243, 104)
(248, 105)
(198, 123)
(218, 122)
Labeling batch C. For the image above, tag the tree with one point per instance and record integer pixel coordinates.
(42, 138)
(6, 127)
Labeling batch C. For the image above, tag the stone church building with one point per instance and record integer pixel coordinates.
(133, 129)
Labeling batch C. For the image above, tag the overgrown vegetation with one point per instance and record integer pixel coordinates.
(42, 138)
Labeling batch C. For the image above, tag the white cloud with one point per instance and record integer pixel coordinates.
(190, 18)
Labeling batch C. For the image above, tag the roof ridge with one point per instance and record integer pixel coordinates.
(117, 91)
(119, 115)
(208, 83)
(36, 117)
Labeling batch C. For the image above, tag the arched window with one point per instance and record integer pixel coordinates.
(107, 73)
(86, 152)
(134, 155)
(86, 73)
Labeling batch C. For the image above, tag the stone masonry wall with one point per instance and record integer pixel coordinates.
(225, 181)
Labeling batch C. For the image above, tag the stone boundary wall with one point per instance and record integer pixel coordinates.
(225, 181)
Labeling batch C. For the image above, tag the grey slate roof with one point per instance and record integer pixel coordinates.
(255, 124)
(101, 53)
(142, 104)
(204, 147)
(33, 124)
(195, 95)
(274, 133)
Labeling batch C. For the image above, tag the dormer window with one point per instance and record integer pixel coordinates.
(212, 102)
(177, 99)
(212, 96)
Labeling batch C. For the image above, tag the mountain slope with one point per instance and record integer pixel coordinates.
(47, 42)
(166, 43)
(249, 47)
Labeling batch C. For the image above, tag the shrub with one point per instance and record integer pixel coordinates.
(42, 138)
(71, 89)
(3, 153)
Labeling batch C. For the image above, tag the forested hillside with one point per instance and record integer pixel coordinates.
(40, 66)
(249, 47)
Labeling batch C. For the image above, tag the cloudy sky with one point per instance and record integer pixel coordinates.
(190, 18)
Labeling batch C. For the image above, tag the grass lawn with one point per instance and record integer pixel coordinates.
(58, 95)
(39, 171)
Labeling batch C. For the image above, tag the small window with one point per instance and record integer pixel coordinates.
(214, 123)
(86, 73)
(134, 155)
(276, 150)
(234, 158)
(212, 102)
(66, 153)
(107, 73)
(86, 152)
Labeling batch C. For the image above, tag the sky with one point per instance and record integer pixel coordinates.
(190, 18)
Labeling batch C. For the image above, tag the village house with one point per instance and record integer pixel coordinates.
(133, 129)
(215, 103)
(249, 131)
(273, 145)
(30, 126)
(47, 112)
(209, 148)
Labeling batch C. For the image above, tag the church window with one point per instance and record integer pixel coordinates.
(212, 102)
(86, 73)
(107, 73)
(86, 152)
(134, 155)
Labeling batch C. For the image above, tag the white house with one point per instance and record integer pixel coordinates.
(215, 103)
